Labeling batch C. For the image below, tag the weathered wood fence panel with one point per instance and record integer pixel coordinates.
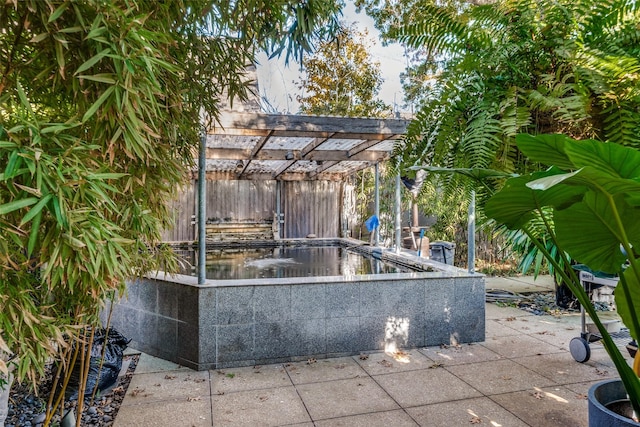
(311, 207)
(184, 209)
(241, 200)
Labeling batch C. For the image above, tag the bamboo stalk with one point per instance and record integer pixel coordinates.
(64, 387)
(84, 375)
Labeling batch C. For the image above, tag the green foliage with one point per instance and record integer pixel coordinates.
(589, 210)
(522, 66)
(483, 73)
(100, 112)
(342, 79)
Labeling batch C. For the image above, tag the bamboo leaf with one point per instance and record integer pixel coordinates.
(101, 78)
(17, 204)
(36, 210)
(91, 62)
(91, 111)
(102, 176)
(58, 12)
(34, 234)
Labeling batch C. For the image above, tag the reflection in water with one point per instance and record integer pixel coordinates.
(283, 261)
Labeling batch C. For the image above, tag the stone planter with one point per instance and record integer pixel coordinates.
(602, 394)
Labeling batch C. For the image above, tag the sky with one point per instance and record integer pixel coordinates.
(277, 81)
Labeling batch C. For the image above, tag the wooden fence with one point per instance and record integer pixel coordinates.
(309, 207)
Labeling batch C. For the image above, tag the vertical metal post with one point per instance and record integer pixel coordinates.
(279, 209)
(202, 210)
(398, 214)
(471, 237)
(376, 238)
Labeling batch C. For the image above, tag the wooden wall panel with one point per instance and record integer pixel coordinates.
(183, 208)
(311, 207)
(241, 200)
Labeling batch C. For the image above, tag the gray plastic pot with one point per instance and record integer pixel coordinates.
(601, 394)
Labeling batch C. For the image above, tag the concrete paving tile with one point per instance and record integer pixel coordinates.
(168, 413)
(481, 411)
(559, 336)
(546, 407)
(494, 329)
(563, 369)
(268, 407)
(341, 398)
(521, 284)
(519, 346)
(145, 388)
(385, 363)
(397, 418)
(493, 311)
(457, 355)
(544, 281)
(248, 378)
(581, 389)
(324, 370)
(415, 388)
(535, 324)
(148, 364)
(498, 376)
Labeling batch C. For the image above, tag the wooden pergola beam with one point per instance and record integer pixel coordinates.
(323, 155)
(257, 124)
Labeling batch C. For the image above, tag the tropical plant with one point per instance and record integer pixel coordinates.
(341, 78)
(488, 72)
(589, 203)
(101, 107)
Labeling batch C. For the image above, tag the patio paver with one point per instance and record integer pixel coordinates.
(522, 375)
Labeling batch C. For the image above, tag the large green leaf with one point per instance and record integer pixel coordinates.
(627, 296)
(589, 231)
(546, 149)
(610, 159)
(514, 203)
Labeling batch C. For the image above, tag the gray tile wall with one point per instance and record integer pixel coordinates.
(227, 326)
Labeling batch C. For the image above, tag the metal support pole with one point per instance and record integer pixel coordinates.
(278, 209)
(376, 238)
(202, 210)
(471, 237)
(398, 214)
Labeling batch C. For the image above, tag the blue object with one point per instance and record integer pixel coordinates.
(420, 244)
(372, 223)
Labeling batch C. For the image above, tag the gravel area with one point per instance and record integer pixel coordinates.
(27, 409)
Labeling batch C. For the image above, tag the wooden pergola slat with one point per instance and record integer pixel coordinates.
(293, 133)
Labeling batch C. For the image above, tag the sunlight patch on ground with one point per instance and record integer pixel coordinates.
(551, 395)
(476, 419)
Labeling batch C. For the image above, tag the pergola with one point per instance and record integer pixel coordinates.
(289, 147)
(251, 145)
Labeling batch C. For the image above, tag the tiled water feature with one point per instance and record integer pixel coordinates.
(228, 323)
